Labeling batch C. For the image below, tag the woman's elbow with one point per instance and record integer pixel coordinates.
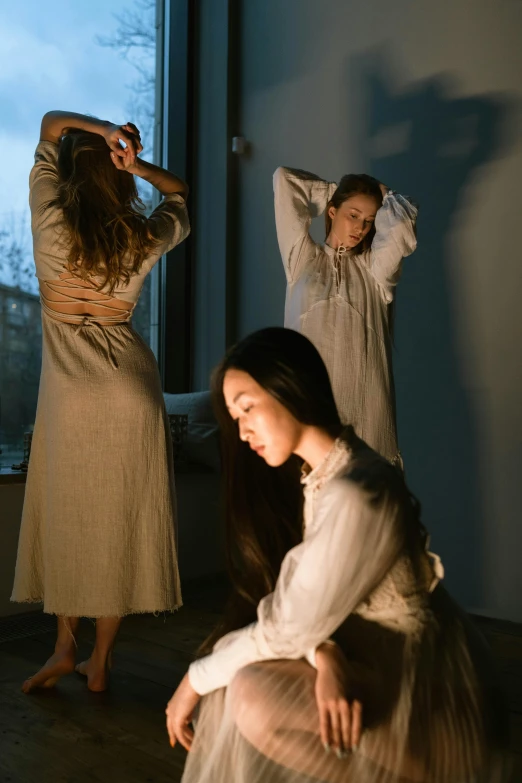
(410, 242)
(279, 176)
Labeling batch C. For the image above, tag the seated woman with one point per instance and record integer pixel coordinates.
(339, 636)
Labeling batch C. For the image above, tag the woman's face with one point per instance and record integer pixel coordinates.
(353, 219)
(266, 425)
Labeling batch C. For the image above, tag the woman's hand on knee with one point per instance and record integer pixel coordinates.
(179, 712)
(340, 718)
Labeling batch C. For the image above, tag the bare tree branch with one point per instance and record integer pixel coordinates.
(16, 264)
(135, 41)
(136, 30)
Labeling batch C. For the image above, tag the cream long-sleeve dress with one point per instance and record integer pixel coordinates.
(98, 535)
(430, 707)
(340, 300)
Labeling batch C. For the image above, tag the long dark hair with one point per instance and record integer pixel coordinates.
(353, 185)
(263, 505)
(107, 230)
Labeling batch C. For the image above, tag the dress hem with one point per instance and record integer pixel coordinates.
(61, 613)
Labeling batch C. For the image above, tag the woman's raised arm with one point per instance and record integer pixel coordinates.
(163, 180)
(55, 123)
(394, 239)
(298, 197)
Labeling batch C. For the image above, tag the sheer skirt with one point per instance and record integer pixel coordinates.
(431, 713)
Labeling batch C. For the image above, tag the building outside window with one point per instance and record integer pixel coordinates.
(94, 58)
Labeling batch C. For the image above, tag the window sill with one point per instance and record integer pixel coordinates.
(9, 476)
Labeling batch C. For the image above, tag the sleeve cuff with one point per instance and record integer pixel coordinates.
(400, 198)
(195, 679)
(46, 150)
(177, 197)
(310, 657)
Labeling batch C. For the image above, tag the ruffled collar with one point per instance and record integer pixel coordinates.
(337, 458)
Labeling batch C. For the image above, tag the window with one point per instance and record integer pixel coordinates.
(95, 58)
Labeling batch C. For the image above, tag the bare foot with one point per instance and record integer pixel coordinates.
(97, 673)
(57, 666)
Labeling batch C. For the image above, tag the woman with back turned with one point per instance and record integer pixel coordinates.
(98, 529)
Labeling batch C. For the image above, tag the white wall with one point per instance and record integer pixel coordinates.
(427, 97)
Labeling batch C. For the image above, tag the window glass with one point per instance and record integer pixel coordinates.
(93, 58)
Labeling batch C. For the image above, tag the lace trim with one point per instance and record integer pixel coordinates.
(338, 454)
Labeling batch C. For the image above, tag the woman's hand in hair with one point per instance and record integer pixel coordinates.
(179, 712)
(125, 160)
(118, 135)
(339, 719)
(133, 129)
(383, 188)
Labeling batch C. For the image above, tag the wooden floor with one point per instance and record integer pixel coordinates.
(69, 735)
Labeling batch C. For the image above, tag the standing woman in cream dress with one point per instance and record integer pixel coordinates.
(98, 534)
(340, 294)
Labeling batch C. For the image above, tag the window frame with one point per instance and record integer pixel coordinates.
(172, 289)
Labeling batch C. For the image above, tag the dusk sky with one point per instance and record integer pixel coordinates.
(50, 59)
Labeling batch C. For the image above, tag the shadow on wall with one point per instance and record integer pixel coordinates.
(425, 143)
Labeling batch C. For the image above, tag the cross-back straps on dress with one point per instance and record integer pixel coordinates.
(71, 289)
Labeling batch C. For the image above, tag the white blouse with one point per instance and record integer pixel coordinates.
(349, 561)
(339, 300)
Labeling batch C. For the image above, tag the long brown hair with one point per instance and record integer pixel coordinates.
(353, 185)
(107, 231)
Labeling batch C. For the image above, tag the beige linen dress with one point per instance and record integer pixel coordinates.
(430, 708)
(340, 300)
(98, 534)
